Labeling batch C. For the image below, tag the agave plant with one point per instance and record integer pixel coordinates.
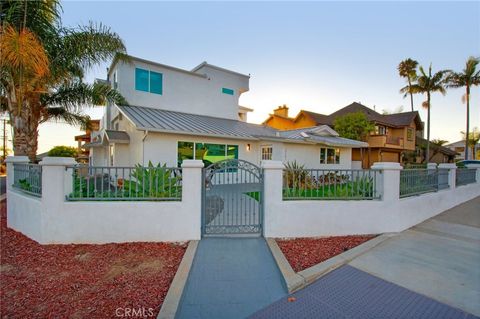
(296, 176)
(152, 181)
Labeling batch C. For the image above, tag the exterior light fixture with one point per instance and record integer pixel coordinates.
(248, 147)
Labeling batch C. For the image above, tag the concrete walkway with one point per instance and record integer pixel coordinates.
(231, 278)
(429, 271)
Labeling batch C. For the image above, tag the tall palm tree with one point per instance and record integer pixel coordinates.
(42, 65)
(428, 84)
(468, 78)
(408, 69)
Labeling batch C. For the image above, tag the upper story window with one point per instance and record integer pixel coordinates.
(228, 91)
(115, 80)
(410, 134)
(380, 130)
(148, 81)
(267, 152)
(329, 155)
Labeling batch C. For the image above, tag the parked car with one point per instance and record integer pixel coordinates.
(465, 162)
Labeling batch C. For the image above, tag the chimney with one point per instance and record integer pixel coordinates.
(281, 111)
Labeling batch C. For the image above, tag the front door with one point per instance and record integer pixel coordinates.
(232, 198)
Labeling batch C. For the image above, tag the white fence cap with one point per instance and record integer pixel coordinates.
(17, 159)
(447, 165)
(272, 164)
(58, 161)
(192, 164)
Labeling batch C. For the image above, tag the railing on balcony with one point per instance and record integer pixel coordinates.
(151, 183)
(321, 184)
(419, 181)
(28, 178)
(466, 176)
(394, 140)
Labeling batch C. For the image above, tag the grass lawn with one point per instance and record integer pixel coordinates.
(303, 253)
(82, 281)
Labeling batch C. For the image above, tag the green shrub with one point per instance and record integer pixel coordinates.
(63, 151)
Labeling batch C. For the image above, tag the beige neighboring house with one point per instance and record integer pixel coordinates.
(459, 148)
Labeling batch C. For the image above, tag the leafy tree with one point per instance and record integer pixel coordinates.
(355, 126)
(63, 151)
(42, 67)
(468, 78)
(428, 84)
(408, 69)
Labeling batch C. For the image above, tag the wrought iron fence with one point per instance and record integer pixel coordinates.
(419, 181)
(28, 178)
(323, 184)
(415, 166)
(465, 176)
(139, 183)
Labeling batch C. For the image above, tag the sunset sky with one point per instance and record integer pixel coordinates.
(318, 56)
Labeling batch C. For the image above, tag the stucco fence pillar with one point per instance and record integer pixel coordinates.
(272, 184)
(192, 193)
(452, 173)
(388, 180)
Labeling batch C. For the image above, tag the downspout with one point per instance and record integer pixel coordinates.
(143, 146)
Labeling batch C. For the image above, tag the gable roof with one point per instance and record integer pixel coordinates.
(395, 120)
(158, 120)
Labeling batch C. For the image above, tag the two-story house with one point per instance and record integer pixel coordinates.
(394, 134)
(175, 114)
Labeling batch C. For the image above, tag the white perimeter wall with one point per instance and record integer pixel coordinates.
(316, 218)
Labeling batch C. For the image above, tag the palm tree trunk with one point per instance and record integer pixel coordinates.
(410, 90)
(25, 135)
(427, 155)
(468, 123)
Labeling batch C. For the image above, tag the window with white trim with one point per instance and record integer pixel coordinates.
(329, 155)
(267, 151)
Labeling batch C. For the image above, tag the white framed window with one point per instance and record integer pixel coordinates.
(267, 151)
(329, 155)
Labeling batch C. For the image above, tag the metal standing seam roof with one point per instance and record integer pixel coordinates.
(158, 120)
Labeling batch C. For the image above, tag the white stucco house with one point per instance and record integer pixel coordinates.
(175, 114)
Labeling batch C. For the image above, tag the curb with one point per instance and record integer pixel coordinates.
(296, 281)
(174, 295)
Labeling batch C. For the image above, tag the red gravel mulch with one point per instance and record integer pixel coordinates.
(303, 253)
(83, 281)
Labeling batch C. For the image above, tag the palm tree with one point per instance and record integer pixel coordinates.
(408, 69)
(468, 78)
(42, 65)
(428, 84)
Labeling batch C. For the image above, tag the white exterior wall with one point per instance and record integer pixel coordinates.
(317, 218)
(309, 155)
(53, 220)
(184, 91)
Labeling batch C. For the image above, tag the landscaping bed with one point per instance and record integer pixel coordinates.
(83, 281)
(303, 253)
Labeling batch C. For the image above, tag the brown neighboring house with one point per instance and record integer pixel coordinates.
(82, 156)
(394, 133)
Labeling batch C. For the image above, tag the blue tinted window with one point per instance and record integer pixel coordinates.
(227, 91)
(141, 79)
(156, 85)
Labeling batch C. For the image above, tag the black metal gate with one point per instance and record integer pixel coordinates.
(232, 198)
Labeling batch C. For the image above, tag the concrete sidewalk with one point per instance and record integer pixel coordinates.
(231, 278)
(429, 271)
